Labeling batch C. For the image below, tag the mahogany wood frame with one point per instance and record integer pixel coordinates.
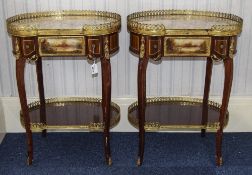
(108, 44)
(221, 49)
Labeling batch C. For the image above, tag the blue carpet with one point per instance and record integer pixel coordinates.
(165, 153)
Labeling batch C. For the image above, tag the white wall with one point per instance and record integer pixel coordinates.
(2, 122)
(73, 77)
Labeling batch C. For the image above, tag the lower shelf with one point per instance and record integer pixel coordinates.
(166, 113)
(71, 113)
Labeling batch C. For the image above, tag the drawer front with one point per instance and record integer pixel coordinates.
(61, 46)
(187, 46)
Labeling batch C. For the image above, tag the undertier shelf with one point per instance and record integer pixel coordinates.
(71, 113)
(173, 113)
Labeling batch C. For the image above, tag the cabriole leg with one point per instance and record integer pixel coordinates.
(20, 69)
(209, 66)
(228, 65)
(141, 82)
(106, 100)
(41, 93)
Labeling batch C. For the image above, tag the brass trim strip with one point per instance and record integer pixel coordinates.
(16, 49)
(60, 102)
(156, 126)
(142, 48)
(106, 48)
(159, 30)
(89, 30)
(232, 48)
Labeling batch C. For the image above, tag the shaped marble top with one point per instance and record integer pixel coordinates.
(64, 22)
(172, 22)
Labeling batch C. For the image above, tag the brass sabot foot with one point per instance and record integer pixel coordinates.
(109, 161)
(219, 161)
(139, 163)
(28, 161)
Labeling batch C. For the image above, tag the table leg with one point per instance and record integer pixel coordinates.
(41, 93)
(106, 100)
(141, 80)
(20, 70)
(209, 66)
(228, 64)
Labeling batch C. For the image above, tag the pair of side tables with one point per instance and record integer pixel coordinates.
(153, 35)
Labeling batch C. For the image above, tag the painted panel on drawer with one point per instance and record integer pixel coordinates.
(187, 46)
(61, 46)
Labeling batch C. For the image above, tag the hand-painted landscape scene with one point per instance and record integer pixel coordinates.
(62, 46)
(187, 46)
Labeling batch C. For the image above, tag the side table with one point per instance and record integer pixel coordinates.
(182, 33)
(66, 33)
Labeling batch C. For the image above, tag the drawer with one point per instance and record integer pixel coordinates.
(187, 46)
(61, 46)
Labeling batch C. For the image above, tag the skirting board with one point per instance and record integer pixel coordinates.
(1, 137)
(2, 122)
(240, 109)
